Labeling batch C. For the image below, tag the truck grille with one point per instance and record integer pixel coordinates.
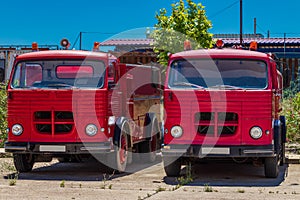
(53, 122)
(216, 123)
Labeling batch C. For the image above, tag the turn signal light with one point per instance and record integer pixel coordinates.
(34, 46)
(253, 46)
(187, 45)
(96, 46)
(220, 44)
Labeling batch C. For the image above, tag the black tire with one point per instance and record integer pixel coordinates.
(70, 159)
(283, 140)
(271, 167)
(23, 162)
(282, 156)
(172, 168)
(63, 159)
(147, 150)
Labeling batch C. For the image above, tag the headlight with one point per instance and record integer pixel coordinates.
(256, 132)
(91, 129)
(176, 131)
(17, 129)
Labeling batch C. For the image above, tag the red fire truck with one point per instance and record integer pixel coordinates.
(72, 104)
(223, 103)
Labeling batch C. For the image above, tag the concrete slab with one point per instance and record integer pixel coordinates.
(293, 158)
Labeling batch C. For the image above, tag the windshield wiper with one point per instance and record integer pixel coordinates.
(188, 84)
(229, 87)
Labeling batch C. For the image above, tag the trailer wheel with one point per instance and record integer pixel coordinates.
(23, 162)
(172, 168)
(148, 149)
(271, 167)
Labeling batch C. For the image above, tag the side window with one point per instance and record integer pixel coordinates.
(26, 75)
(16, 82)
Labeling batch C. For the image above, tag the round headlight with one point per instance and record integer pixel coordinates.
(17, 129)
(91, 129)
(256, 132)
(176, 131)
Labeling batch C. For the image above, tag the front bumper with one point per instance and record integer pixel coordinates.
(198, 151)
(57, 148)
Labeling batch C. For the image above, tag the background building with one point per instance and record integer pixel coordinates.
(140, 51)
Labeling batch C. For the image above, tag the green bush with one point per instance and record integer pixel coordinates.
(291, 110)
(3, 114)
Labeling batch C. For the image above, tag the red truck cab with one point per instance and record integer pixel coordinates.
(223, 103)
(73, 104)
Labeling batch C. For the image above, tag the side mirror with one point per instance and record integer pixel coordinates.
(112, 85)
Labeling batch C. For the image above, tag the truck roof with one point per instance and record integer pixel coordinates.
(220, 53)
(62, 54)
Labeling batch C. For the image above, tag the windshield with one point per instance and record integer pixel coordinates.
(218, 73)
(59, 74)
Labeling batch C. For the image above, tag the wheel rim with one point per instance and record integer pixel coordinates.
(123, 149)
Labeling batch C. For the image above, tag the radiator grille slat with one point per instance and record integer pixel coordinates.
(63, 122)
(216, 124)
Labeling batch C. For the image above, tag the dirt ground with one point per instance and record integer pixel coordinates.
(87, 181)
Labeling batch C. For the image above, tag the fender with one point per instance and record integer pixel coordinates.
(283, 128)
(120, 122)
(277, 135)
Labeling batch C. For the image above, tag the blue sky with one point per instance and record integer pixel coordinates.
(47, 22)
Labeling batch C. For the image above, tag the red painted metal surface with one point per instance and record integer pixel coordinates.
(61, 114)
(244, 108)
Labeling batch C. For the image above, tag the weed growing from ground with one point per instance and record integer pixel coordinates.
(12, 179)
(62, 184)
(207, 188)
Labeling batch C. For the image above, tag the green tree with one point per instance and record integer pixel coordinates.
(3, 114)
(291, 110)
(186, 22)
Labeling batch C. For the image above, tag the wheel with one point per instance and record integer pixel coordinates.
(282, 156)
(118, 159)
(63, 159)
(147, 150)
(72, 159)
(271, 167)
(23, 162)
(172, 168)
(283, 139)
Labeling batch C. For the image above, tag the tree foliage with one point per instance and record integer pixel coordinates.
(186, 22)
(3, 114)
(291, 110)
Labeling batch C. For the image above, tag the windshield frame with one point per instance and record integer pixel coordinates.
(99, 67)
(224, 86)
